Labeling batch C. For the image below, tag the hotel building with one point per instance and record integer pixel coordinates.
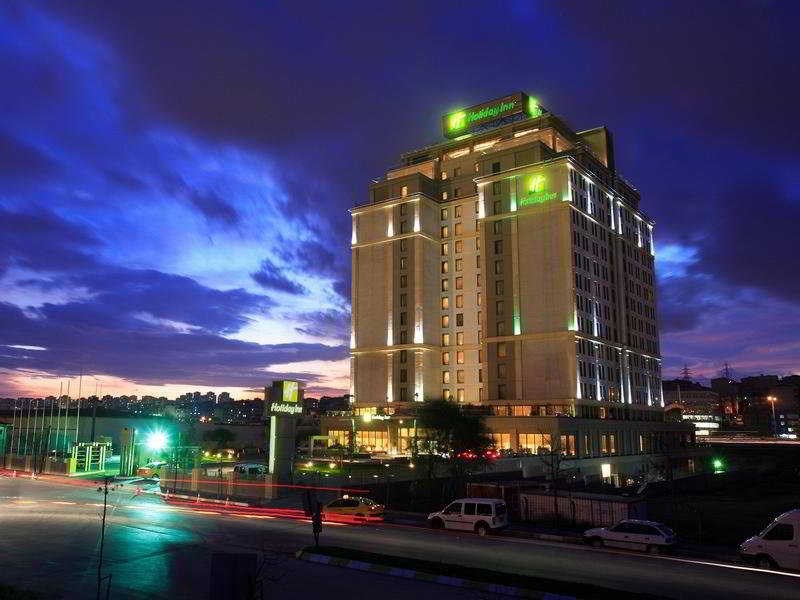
(510, 267)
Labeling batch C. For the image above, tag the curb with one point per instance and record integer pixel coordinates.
(167, 496)
(493, 588)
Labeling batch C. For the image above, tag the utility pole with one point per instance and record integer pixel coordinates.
(102, 541)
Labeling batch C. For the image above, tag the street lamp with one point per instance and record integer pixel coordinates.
(772, 400)
(156, 440)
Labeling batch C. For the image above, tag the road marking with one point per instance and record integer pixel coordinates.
(61, 502)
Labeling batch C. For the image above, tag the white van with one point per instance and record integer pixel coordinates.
(778, 545)
(480, 515)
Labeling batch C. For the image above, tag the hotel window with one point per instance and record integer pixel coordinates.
(459, 228)
(445, 376)
(500, 441)
(459, 319)
(445, 394)
(403, 394)
(568, 445)
(478, 280)
(498, 246)
(403, 375)
(459, 301)
(403, 207)
(495, 167)
(445, 249)
(403, 281)
(480, 356)
(445, 303)
(498, 226)
(444, 195)
(403, 262)
(460, 357)
(459, 376)
(456, 171)
(445, 320)
(479, 299)
(403, 193)
(499, 306)
(459, 283)
(403, 356)
(456, 192)
(445, 339)
(459, 264)
(403, 337)
(445, 267)
(477, 167)
(501, 328)
(477, 208)
(498, 267)
(460, 394)
(459, 246)
(403, 318)
(498, 287)
(460, 338)
(444, 214)
(403, 299)
(403, 245)
(403, 226)
(501, 371)
(445, 358)
(480, 375)
(502, 391)
(457, 212)
(445, 231)
(444, 174)
(502, 351)
(497, 207)
(495, 188)
(534, 441)
(445, 285)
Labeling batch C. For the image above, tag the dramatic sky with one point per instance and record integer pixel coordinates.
(175, 177)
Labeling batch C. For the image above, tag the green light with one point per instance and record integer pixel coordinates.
(456, 121)
(536, 191)
(517, 325)
(157, 440)
(718, 464)
(534, 110)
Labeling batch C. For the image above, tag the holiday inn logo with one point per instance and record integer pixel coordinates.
(534, 188)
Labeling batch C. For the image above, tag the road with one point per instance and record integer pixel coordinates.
(50, 535)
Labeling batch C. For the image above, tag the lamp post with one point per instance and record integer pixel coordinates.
(772, 400)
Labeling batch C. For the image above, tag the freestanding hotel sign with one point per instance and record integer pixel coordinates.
(282, 408)
(461, 122)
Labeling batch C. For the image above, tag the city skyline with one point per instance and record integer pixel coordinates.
(168, 227)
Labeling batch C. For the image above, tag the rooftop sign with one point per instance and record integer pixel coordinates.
(461, 122)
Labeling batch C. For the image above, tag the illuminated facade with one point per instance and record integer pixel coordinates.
(512, 268)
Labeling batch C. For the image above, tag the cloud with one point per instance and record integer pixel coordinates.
(214, 208)
(272, 277)
(325, 324)
(19, 160)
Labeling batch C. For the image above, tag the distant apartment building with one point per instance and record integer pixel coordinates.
(695, 403)
(511, 268)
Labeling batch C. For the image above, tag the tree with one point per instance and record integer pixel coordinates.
(220, 435)
(450, 430)
(552, 460)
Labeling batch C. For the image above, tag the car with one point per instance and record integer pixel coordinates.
(633, 534)
(151, 469)
(777, 546)
(481, 515)
(355, 506)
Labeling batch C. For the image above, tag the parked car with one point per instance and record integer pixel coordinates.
(151, 469)
(481, 515)
(777, 546)
(250, 469)
(633, 535)
(354, 506)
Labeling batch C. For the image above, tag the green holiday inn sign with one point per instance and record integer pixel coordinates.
(534, 191)
(463, 121)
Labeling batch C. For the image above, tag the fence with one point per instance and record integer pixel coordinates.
(580, 508)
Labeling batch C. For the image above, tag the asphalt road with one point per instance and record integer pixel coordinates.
(49, 536)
